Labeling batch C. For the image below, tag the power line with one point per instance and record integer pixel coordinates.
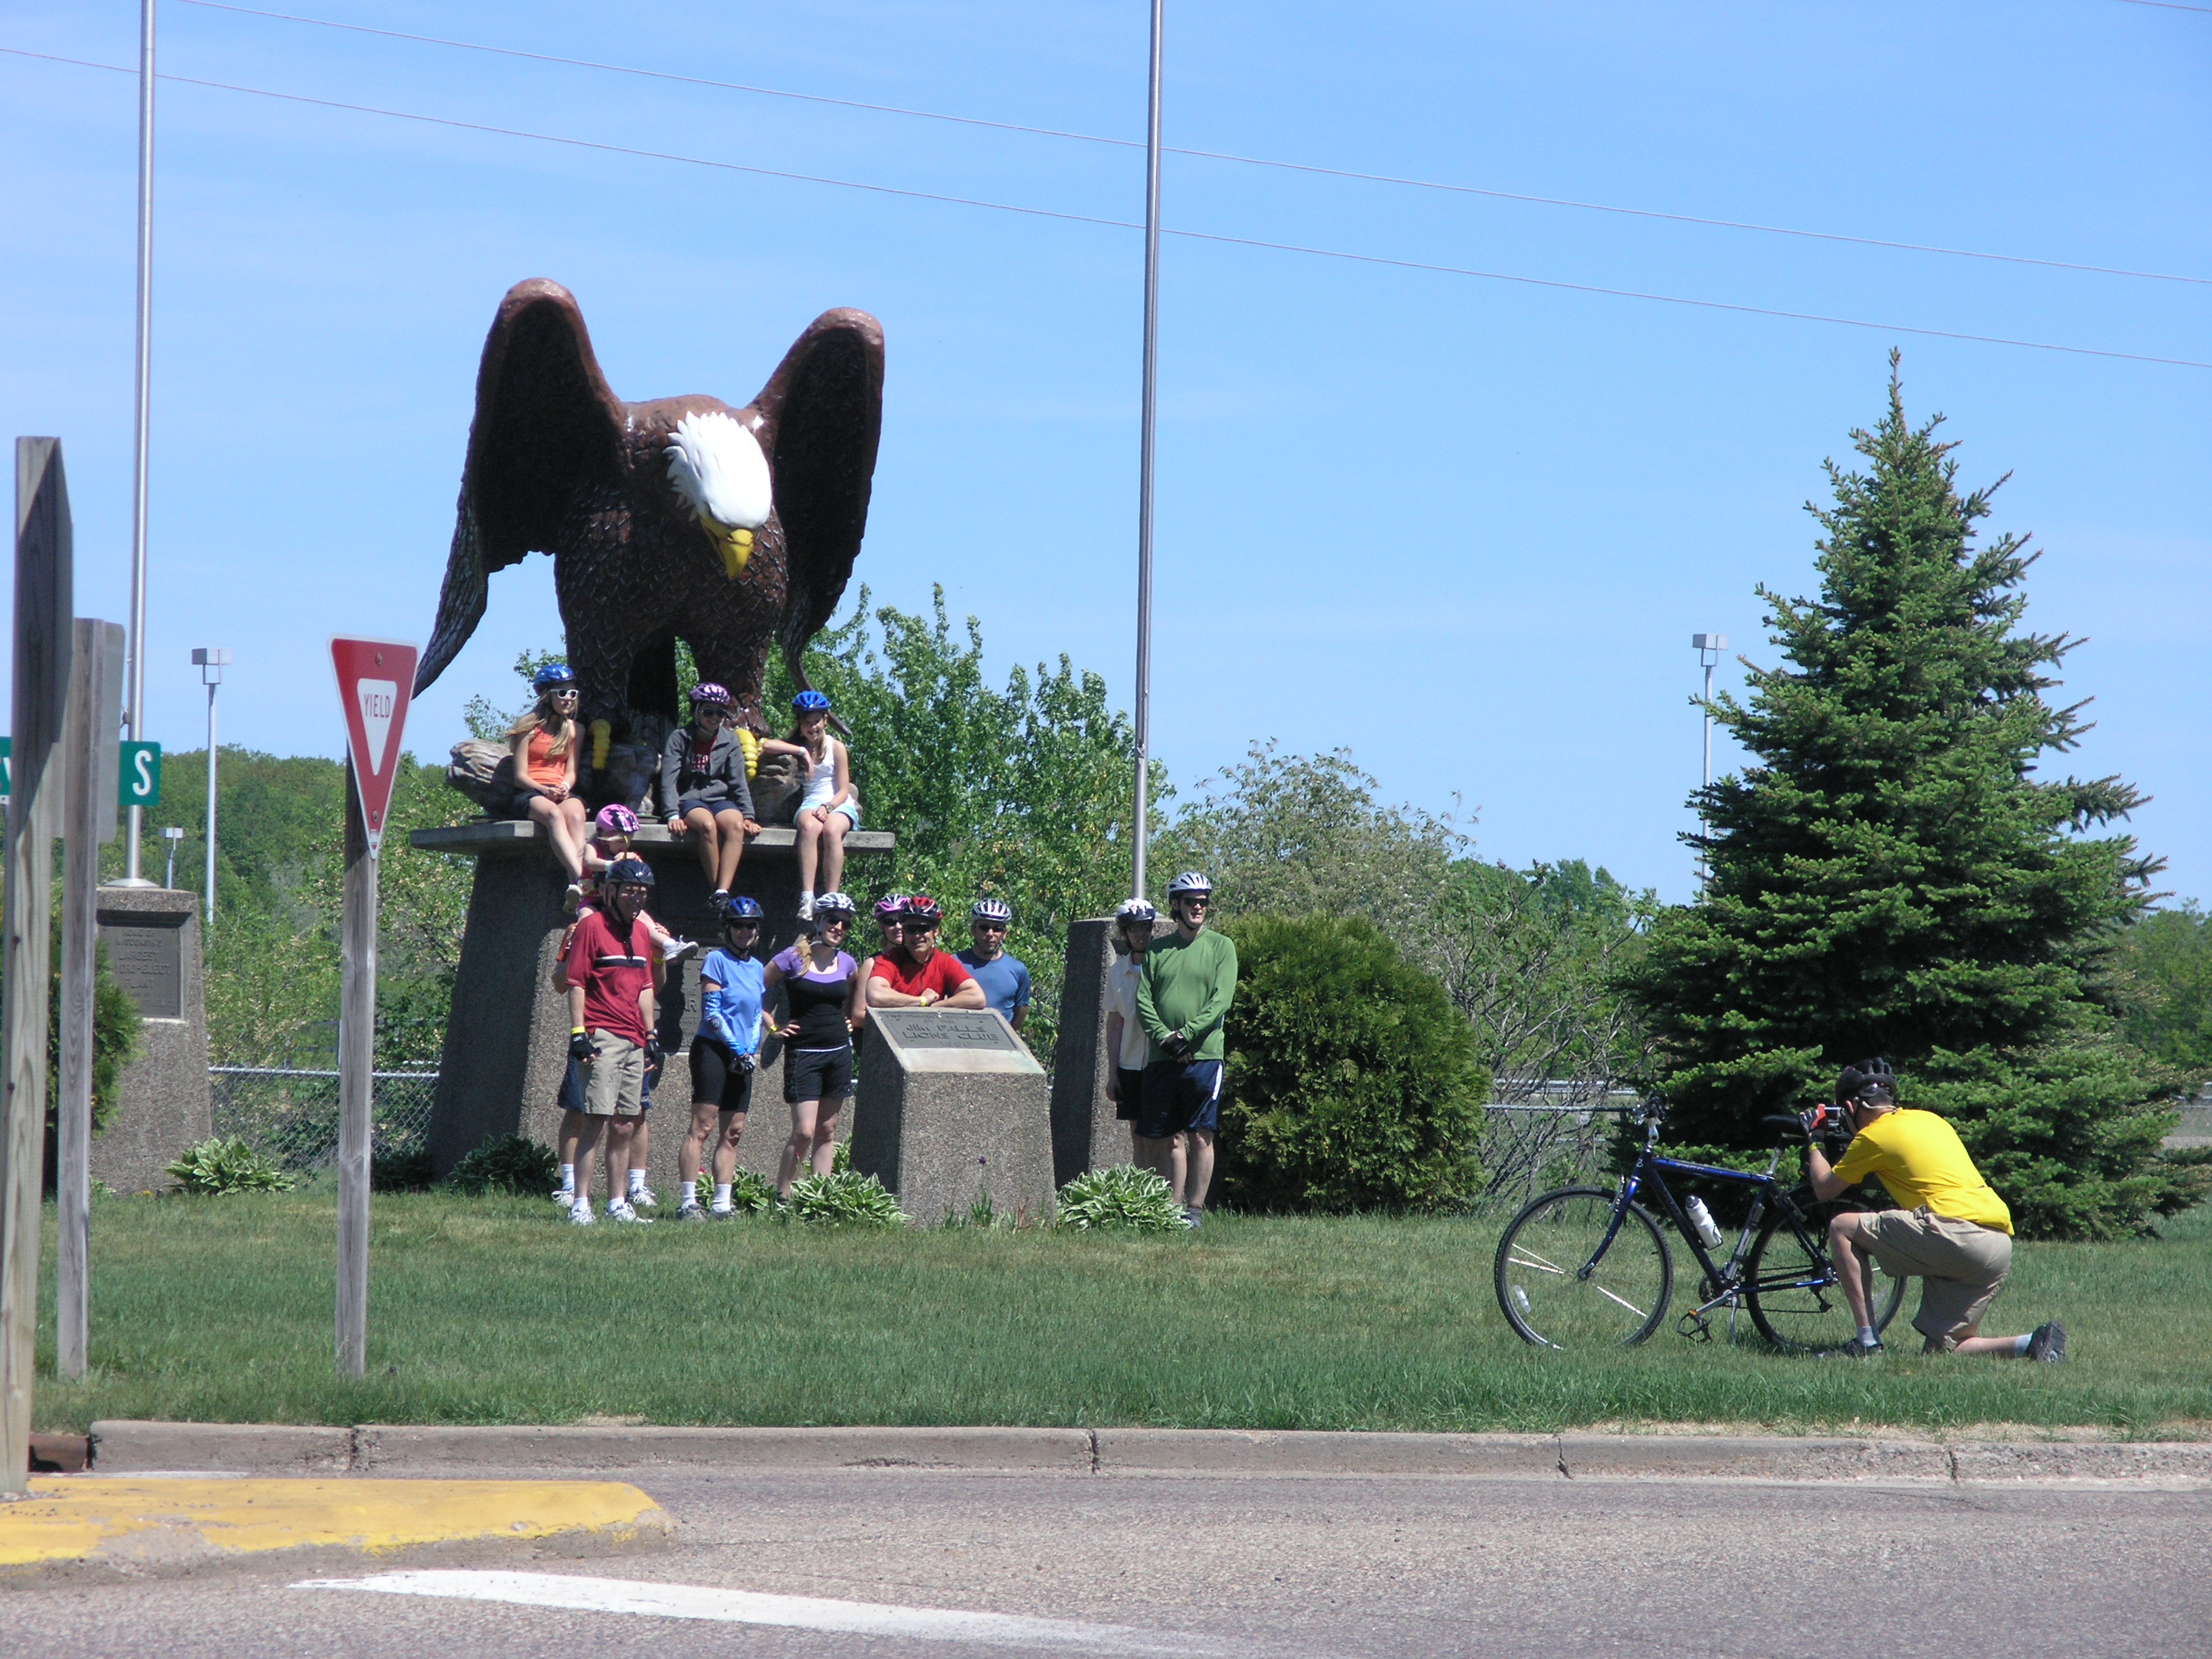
(2163, 5)
(1214, 154)
(1119, 224)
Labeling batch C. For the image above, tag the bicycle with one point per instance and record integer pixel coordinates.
(1582, 1268)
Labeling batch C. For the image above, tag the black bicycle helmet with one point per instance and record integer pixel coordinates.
(1870, 1080)
(629, 871)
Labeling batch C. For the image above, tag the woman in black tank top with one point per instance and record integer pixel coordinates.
(822, 997)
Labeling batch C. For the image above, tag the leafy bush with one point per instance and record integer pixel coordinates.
(1123, 1196)
(844, 1199)
(1352, 1080)
(402, 1172)
(226, 1164)
(753, 1193)
(507, 1163)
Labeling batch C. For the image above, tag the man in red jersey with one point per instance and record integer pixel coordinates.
(611, 1024)
(914, 972)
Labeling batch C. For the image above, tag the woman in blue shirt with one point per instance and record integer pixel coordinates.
(724, 1053)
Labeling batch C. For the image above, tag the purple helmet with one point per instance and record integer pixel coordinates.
(616, 820)
(707, 691)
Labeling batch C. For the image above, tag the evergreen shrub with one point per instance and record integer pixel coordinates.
(1352, 1081)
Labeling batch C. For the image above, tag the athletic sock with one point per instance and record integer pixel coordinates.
(1869, 1336)
(722, 1194)
(2021, 1344)
(568, 1177)
(637, 1180)
(689, 1191)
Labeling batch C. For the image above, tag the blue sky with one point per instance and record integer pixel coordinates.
(1463, 526)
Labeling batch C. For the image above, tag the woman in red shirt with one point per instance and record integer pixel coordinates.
(543, 746)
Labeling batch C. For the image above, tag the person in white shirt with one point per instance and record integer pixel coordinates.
(1125, 1042)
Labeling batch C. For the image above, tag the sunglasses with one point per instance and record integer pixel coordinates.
(564, 695)
(990, 926)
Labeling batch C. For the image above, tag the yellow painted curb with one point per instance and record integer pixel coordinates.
(151, 1521)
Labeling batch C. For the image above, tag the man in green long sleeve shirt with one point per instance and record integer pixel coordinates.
(1182, 1000)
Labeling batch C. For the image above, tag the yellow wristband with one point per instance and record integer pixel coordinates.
(575, 1031)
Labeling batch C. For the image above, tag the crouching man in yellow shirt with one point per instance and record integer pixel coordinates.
(1950, 1230)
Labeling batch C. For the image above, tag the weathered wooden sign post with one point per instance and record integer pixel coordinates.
(376, 678)
(93, 731)
(42, 643)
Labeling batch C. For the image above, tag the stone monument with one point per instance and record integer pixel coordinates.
(1086, 1132)
(952, 1105)
(162, 1104)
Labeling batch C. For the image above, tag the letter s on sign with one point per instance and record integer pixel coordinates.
(143, 762)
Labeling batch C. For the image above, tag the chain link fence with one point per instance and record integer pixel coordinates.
(1542, 1132)
(292, 1115)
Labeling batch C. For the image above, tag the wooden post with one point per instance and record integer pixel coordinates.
(43, 598)
(357, 1083)
(95, 711)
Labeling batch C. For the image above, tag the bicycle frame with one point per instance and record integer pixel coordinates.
(1723, 1282)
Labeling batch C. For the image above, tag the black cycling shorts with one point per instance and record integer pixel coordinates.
(1129, 1084)
(1179, 1098)
(816, 1074)
(719, 1078)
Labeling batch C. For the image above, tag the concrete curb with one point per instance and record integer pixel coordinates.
(123, 1447)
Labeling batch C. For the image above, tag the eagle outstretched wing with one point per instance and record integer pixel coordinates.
(822, 413)
(545, 424)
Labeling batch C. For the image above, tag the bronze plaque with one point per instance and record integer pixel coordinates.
(955, 1028)
(147, 960)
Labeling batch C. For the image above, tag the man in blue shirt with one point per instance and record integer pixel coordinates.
(1005, 979)
(724, 1055)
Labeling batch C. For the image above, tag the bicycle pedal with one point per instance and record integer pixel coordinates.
(1696, 1326)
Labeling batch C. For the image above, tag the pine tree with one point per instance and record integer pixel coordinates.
(1893, 875)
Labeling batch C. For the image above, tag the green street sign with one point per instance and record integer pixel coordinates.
(138, 781)
(7, 777)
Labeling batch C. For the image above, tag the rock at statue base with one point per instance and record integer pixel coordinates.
(162, 1104)
(952, 1106)
(1087, 1132)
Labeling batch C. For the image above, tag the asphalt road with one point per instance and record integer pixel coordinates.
(1243, 1566)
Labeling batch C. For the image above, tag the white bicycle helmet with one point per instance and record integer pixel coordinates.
(992, 909)
(1135, 909)
(1189, 882)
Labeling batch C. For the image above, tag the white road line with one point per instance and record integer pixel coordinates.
(550, 1590)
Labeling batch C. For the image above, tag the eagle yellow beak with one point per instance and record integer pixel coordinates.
(736, 546)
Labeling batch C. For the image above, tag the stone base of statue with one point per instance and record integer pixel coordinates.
(162, 1105)
(952, 1106)
(507, 1039)
(1086, 1132)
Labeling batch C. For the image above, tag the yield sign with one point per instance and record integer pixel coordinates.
(376, 677)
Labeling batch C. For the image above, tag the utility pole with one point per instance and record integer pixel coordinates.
(1140, 829)
(1709, 648)
(132, 875)
(211, 660)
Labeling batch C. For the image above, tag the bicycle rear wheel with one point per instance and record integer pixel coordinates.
(1550, 1301)
(1794, 1294)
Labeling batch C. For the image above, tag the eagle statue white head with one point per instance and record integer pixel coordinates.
(716, 465)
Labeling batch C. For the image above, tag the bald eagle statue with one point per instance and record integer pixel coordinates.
(730, 529)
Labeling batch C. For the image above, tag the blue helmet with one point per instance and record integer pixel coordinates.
(742, 910)
(807, 702)
(553, 674)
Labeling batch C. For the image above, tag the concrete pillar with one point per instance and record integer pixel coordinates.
(1086, 1134)
(162, 1105)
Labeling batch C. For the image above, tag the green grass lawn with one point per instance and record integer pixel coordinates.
(492, 1311)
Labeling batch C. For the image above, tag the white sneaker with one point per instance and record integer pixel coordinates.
(691, 1212)
(806, 907)
(641, 1198)
(677, 950)
(565, 1195)
(622, 1211)
(580, 1215)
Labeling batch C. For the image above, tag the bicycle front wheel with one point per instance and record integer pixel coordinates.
(1794, 1292)
(1558, 1292)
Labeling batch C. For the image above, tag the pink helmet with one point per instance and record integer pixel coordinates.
(616, 820)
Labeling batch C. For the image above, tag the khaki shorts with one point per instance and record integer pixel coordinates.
(1961, 1266)
(614, 1083)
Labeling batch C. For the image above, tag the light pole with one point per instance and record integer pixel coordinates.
(211, 660)
(1140, 819)
(131, 877)
(172, 833)
(1709, 648)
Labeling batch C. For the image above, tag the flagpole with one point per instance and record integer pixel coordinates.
(132, 877)
(1141, 828)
